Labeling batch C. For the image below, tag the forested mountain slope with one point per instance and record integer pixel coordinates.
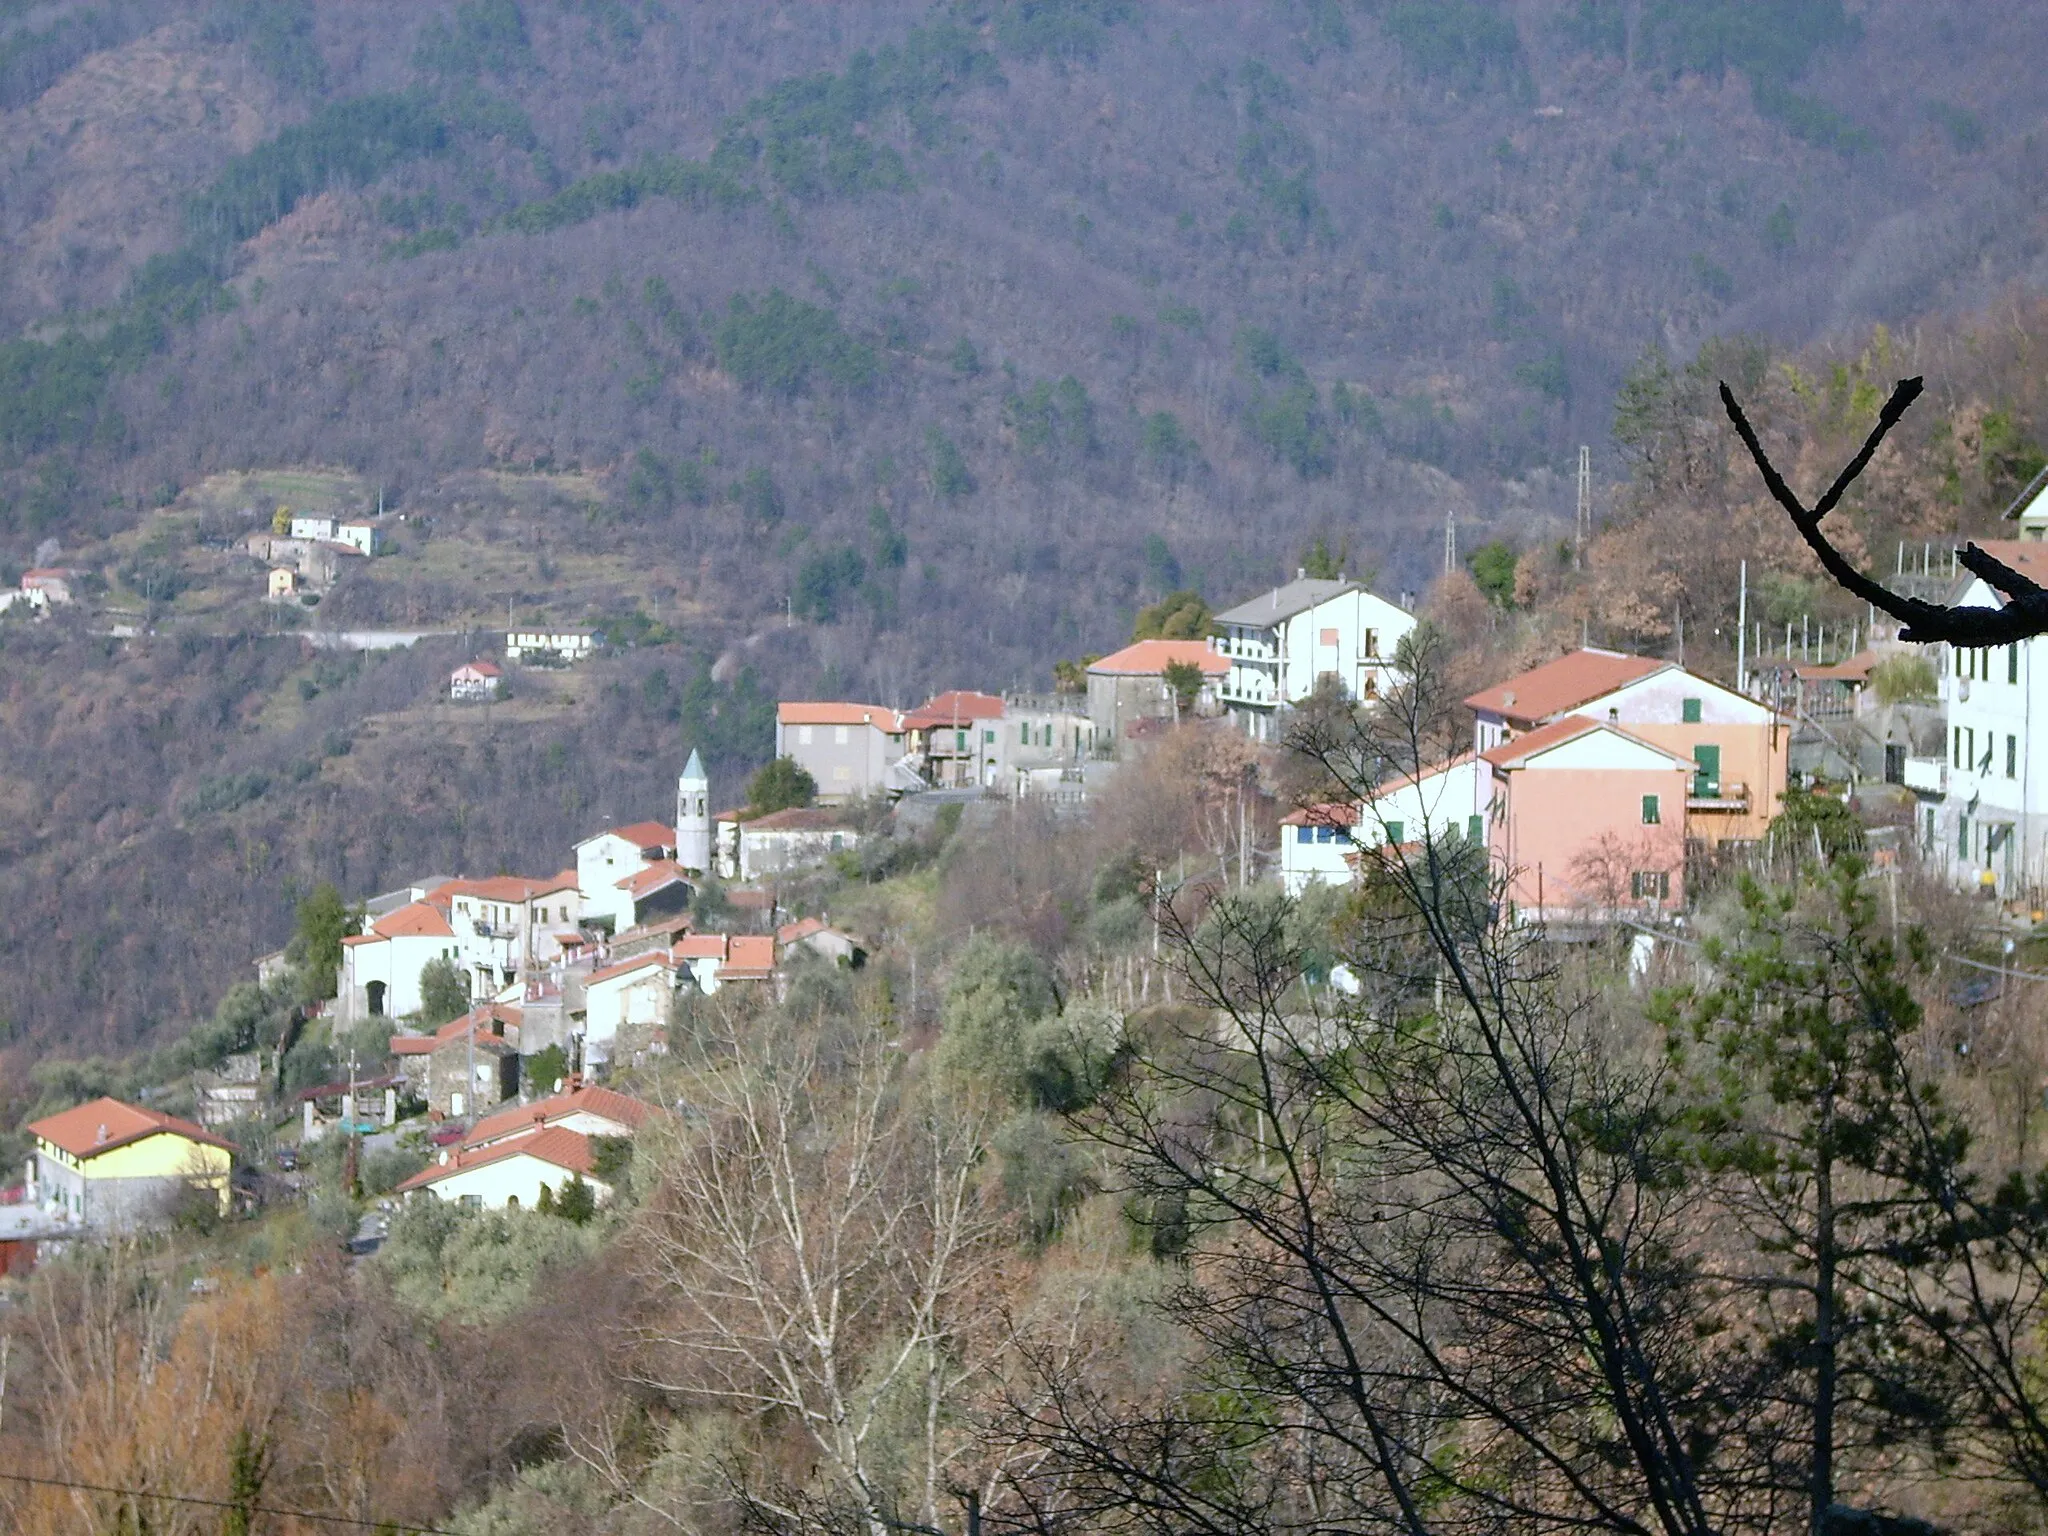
(870, 348)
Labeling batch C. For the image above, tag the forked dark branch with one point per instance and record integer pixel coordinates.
(2025, 613)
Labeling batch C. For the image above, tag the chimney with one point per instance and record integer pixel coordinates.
(99, 1137)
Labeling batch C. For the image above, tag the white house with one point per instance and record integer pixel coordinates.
(801, 837)
(546, 644)
(1983, 811)
(1318, 842)
(2029, 510)
(662, 889)
(507, 925)
(633, 993)
(511, 1172)
(604, 862)
(581, 1107)
(475, 680)
(380, 967)
(1282, 645)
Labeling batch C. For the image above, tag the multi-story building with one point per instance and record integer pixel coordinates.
(850, 750)
(1739, 748)
(109, 1166)
(1983, 812)
(1281, 647)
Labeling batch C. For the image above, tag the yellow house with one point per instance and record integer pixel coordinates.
(283, 583)
(111, 1165)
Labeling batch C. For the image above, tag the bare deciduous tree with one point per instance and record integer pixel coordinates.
(825, 1256)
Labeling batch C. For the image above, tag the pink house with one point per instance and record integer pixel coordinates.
(1588, 821)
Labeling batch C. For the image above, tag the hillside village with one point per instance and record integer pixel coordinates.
(1600, 785)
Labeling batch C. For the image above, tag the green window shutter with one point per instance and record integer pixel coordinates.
(1394, 830)
(1962, 837)
(1689, 711)
(2012, 663)
(1024, 738)
(1706, 771)
(1651, 816)
(1475, 829)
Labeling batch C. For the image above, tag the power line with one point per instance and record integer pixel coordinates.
(253, 1509)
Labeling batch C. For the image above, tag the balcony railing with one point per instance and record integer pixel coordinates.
(1709, 796)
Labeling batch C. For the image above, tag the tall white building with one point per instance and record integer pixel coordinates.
(693, 816)
(1282, 645)
(1984, 805)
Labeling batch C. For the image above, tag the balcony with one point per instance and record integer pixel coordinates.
(1927, 775)
(1711, 798)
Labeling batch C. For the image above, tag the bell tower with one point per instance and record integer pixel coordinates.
(693, 816)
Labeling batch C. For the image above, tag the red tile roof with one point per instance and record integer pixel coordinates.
(1519, 749)
(455, 1030)
(1544, 692)
(802, 928)
(567, 1150)
(652, 957)
(478, 669)
(100, 1126)
(751, 955)
(647, 834)
(798, 818)
(589, 1099)
(417, 920)
(656, 875)
(805, 712)
(959, 705)
(507, 888)
(1150, 658)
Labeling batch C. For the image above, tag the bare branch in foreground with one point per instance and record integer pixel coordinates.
(2025, 613)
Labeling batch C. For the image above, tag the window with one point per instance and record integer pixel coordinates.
(1372, 643)
(839, 736)
(959, 741)
(2012, 757)
(1927, 832)
(1970, 746)
(2012, 663)
(1650, 811)
(1475, 829)
(1958, 754)
(1689, 711)
(1304, 834)
(1326, 834)
(1649, 885)
(1372, 686)
(803, 735)
(988, 738)
(1394, 830)
(1025, 738)
(1962, 837)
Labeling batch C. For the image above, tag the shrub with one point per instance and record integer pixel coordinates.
(780, 786)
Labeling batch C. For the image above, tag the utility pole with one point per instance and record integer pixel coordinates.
(1450, 542)
(1583, 533)
(1742, 630)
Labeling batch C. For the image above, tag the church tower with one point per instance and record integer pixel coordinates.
(693, 816)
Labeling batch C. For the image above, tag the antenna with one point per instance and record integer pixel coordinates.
(1583, 533)
(1450, 542)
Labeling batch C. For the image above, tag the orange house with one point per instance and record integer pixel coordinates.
(1589, 821)
(1739, 748)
